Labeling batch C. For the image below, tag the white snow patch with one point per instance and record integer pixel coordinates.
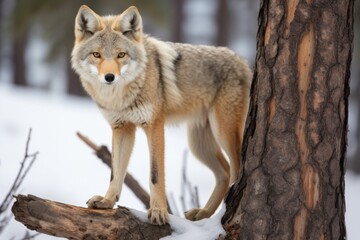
(205, 229)
(352, 198)
(184, 229)
(139, 214)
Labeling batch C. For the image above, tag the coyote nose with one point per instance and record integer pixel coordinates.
(109, 77)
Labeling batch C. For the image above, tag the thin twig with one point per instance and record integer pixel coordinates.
(183, 182)
(88, 142)
(33, 158)
(196, 197)
(22, 173)
(4, 221)
(29, 236)
(172, 204)
(187, 188)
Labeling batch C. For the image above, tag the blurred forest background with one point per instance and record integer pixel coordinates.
(36, 38)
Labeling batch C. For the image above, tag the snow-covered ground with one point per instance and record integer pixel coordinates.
(67, 171)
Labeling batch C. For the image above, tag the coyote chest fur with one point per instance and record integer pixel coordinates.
(139, 81)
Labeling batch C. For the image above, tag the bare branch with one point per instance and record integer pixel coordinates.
(172, 205)
(29, 236)
(88, 141)
(196, 197)
(22, 173)
(187, 188)
(4, 221)
(183, 181)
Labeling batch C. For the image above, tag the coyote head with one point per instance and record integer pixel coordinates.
(108, 49)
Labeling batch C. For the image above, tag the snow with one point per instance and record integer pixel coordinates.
(352, 198)
(184, 229)
(67, 171)
(205, 229)
(142, 216)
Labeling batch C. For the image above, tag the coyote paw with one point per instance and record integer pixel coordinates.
(158, 216)
(196, 214)
(100, 202)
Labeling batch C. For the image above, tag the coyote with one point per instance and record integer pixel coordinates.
(139, 81)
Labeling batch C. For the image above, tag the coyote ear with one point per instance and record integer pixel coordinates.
(129, 23)
(86, 23)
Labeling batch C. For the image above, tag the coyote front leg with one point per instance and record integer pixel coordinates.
(122, 144)
(157, 213)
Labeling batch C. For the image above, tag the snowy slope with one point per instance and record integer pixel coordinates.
(67, 171)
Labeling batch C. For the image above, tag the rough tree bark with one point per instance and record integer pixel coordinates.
(291, 183)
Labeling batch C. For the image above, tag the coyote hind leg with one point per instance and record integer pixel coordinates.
(206, 149)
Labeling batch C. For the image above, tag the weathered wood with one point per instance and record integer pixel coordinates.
(291, 183)
(62, 220)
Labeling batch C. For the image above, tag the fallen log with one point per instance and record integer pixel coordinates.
(72, 222)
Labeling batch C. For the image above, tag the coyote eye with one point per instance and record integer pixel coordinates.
(121, 55)
(96, 54)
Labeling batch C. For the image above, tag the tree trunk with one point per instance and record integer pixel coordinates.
(18, 58)
(222, 19)
(74, 86)
(2, 32)
(291, 183)
(178, 33)
(61, 220)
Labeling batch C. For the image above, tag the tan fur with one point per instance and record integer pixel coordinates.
(108, 66)
(157, 83)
